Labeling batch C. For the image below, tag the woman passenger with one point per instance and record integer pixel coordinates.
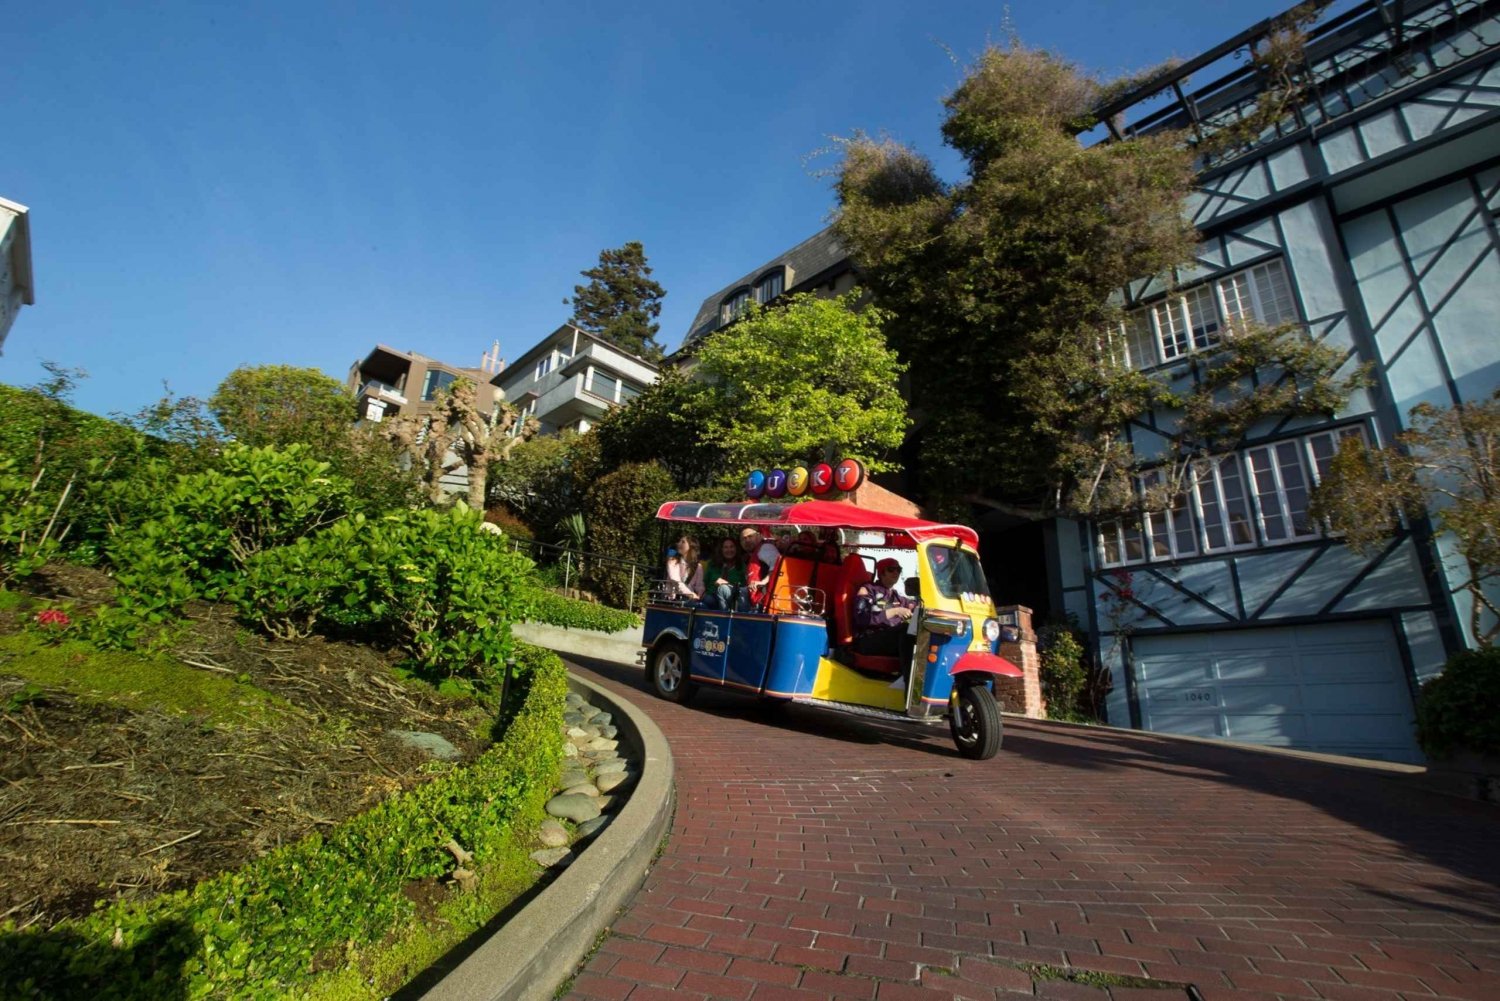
(725, 576)
(684, 569)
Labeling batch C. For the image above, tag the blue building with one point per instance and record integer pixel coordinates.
(1369, 213)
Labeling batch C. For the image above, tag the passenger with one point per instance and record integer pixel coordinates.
(784, 542)
(881, 612)
(760, 557)
(805, 545)
(828, 549)
(725, 576)
(684, 569)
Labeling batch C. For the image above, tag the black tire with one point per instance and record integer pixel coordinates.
(667, 671)
(974, 720)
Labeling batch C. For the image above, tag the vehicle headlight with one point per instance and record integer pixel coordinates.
(991, 630)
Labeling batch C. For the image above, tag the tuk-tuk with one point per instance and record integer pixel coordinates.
(794, 641)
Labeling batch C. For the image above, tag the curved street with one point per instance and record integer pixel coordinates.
(816, 856)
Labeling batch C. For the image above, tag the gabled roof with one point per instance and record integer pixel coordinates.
(809, 262)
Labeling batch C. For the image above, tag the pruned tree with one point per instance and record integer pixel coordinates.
(1447, 462)
(458, 433)
(1003, 289)
(621, 301)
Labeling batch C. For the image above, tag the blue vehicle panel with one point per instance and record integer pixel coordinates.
(749, 649)
(794, 656)
(709, 645)
(671, 621)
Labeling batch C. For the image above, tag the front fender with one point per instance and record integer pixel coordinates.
(980, 662)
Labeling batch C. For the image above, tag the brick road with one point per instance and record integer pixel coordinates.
(814, 856)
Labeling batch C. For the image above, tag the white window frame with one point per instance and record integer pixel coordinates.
(1122, 533)
(1281, 458)
(1262, 292)
(543, 366)
(1168, 526)
(1215, 469)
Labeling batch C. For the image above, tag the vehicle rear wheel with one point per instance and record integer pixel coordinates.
(975, 722)
(667, 670)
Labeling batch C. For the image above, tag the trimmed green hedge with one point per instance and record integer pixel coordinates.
(262, 931)
(1459, 710)
(559, 610)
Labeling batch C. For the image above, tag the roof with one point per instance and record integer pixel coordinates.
(24, 278)
(812, 258)
(531, 354)
(813, 514)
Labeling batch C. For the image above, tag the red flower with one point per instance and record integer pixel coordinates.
(53, 618)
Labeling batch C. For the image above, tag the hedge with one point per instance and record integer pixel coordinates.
(261, 931)
(559, 610)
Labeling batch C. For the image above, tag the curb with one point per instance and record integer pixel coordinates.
(537, 950)
(1370, 764)
(622, 647)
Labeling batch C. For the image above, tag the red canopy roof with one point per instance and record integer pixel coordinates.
(813, 514)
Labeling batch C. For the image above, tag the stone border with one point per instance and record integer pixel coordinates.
(534, 952)
(622, 647)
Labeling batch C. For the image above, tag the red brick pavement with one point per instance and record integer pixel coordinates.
(814, 856)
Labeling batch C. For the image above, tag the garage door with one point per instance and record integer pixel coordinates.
(1337, 688)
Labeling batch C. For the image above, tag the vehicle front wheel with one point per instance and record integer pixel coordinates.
(667, 671)
(975, 722)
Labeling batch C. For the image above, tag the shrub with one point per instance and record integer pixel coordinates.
(1063, 673)
(622, 524)
(1459, 710)
(25, 519)
(509, 524)
(259, 931)
(559, 610)
(289, 590)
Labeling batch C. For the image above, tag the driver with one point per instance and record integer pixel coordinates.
(881, 612)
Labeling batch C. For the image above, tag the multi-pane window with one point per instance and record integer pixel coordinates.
(1169, 533)
(1256, 497)
(601, 383)
(543, 367)
(734, 307)
(1197, 318)
(435, 382)
(769, 287)
(628, 391)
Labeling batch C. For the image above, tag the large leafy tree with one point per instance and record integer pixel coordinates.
(621, 301)
(282, 405)
(665, 424)
(802, 381)
(1002, 288)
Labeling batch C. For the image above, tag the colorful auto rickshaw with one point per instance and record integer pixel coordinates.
(794, 640)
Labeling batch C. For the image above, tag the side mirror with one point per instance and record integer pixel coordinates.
(913, 587)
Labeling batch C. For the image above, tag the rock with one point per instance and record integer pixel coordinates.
(572, 717)
(603, 768)
(603, 719)
(574, 699)
(553, 834)
(605, 802)
(581, 789)
(571, 776)
(433, 744)
(608, 731)
(576, 732)
(603, 744)
(570, 750)
(574, 807)
(550, 857)
(590, 713)
(611, 780)
(589, 827)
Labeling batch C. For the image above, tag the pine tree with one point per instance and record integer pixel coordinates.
(621, 301)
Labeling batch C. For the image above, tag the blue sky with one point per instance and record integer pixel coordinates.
(215, 185)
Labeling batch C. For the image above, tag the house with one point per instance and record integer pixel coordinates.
(571, 378)
(819, 265)
(17, 284)
(1368, 214)
(388, 383)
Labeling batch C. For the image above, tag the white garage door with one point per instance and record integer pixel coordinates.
(1337, 688)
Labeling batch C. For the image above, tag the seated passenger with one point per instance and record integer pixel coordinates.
(881, 612)
(759, 557)
(724, 577)
(684, 570)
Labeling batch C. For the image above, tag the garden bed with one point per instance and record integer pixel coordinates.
(124, 775)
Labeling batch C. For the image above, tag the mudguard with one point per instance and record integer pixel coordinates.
(979, 661)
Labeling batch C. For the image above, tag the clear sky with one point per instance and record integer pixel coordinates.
(214, 185)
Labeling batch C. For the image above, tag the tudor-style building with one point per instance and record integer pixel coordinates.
(1369, 215)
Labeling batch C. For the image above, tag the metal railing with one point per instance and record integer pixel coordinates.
(577, 561)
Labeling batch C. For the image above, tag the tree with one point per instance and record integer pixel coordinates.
(621, 301)
(545, 478)
(1002, 289)
(665, 424)
(800, 382)
(1447, 462)
(457, 426)
(282, 405)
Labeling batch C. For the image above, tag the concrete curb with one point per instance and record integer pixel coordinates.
(534, 952)
(622, 647)
(1371, 764)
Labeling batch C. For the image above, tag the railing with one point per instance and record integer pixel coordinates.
(575, 561)
(379, 388)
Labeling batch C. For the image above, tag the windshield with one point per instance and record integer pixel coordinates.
(956, 572)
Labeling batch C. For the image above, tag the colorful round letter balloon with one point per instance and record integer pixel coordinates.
(776, 483)
(755, 484)
(821, 479)
(796, 482)
(848, 475)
